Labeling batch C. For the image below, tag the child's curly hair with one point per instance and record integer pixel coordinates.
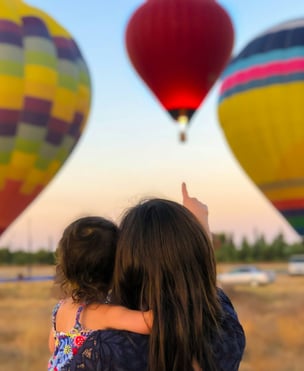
(85, 259)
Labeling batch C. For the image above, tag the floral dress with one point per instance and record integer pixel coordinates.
(66, 343)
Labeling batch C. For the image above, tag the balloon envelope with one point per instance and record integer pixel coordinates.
(44, 103)
(261, 112)
(179, 48)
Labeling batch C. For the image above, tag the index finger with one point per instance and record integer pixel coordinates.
(184, 191)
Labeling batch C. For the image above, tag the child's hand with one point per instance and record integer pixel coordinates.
(197, 208)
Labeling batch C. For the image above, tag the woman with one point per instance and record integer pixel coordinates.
(165, 262)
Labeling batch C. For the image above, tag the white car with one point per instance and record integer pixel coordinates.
(296, 265)
(248, 274)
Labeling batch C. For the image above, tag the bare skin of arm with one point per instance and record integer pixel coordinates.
(51, 341)
(122, 318)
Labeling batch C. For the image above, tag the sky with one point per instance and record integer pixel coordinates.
(130, 148)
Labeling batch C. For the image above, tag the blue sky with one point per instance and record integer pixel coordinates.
(130, 148)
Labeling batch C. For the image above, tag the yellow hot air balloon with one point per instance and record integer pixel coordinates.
(45, 95)
(261, 112)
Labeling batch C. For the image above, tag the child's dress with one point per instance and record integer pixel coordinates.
(66, 343)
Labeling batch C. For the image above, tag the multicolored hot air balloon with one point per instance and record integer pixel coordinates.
(261, 112)
(179, 48)
(45, 97)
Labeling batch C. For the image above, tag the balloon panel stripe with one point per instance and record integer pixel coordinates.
(65, 49)
(292, 213)
(58, 126)
(4, 157)
(289, 25)
(6, 144)
(62, 154)
(9, 38)
(68, 82)
(40, 44)
(41, 58)
(8, 129)
(297, 222)
(279, 40)
(10, 52)
(263, 71)
(48, 150)
(26, 145)
(8, 122)
(46, 154)
(37, 104)
(34, 118)
(273, 80)
(43, 163)
(281, 184)
(263, 58)
(299, 230)
(33, 26)
(28, 131)
(10, 33)
(84, 78)
(9, 26)
(75, 127)
(11, 68)
(289, 204)
(54, 138)
(69, 67)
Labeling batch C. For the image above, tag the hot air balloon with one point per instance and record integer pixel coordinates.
(179, 48)
(45, 98)
(261, 113)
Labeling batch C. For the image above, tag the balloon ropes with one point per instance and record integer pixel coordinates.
(179, 48)
(261, 112)
(45, 97)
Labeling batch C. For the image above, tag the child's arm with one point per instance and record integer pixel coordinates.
(122, 318)
(51, 341)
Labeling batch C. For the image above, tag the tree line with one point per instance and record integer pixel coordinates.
(257, 251)
(225, 250)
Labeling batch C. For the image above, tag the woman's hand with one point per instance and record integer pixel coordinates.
(197, 208)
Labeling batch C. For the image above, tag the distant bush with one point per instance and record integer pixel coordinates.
(22, 257)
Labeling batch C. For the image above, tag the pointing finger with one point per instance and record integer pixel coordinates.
(184, 191)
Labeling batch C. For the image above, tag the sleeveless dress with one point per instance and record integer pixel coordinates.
(66, 343)
(116, 350)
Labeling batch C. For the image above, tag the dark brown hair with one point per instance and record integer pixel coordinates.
(165, 262)
(85, 259)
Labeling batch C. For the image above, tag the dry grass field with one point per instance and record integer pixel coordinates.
(272, 316)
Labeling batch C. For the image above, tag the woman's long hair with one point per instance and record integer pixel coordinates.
(165, 262)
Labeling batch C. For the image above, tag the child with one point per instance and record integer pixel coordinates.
(85, 262)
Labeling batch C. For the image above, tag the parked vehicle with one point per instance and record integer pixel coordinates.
(248, 274)
(296, 265)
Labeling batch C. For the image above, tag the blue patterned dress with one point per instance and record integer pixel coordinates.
(115, 350)
(66, 343)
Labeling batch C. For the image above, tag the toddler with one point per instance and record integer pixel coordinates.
(84, 265)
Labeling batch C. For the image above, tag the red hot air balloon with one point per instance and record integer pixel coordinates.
(179, 48)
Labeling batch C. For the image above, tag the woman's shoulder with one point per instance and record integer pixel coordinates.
(229, 345)
(226, 304)
(107, 350)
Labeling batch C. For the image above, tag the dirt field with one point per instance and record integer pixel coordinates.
(272, 316)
